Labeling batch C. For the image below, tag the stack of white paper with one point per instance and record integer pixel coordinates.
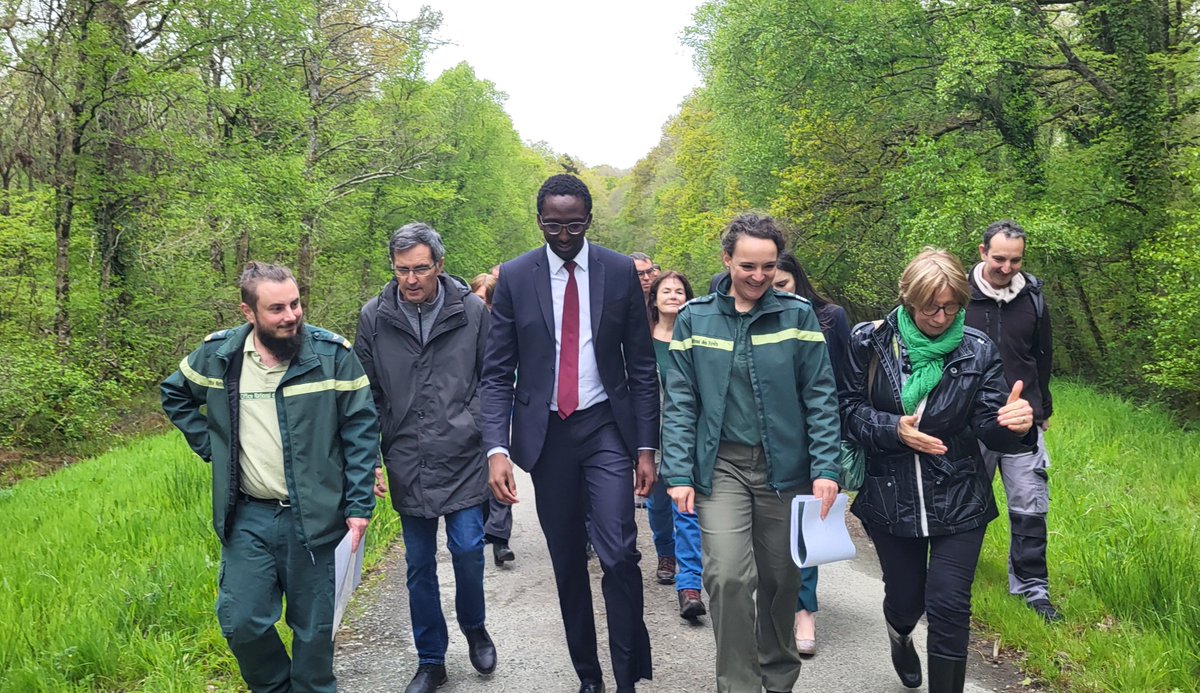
(347, 575)
(816, 541)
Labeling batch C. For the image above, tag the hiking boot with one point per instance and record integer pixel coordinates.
(429, 678)
(690, 604)
(666, 570)
(480, 649)
(1043, 608)
(501, 553)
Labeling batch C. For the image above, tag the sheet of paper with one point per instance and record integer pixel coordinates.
(347, 575)
(816, 541)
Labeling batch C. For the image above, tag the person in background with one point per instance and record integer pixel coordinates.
(926, 498)
(421, 343)
(790, 277)
(1007, 304)
(676, 534)
(750, 420)
(483, 286)
(497, 516)
(647, 272)
(279, 511)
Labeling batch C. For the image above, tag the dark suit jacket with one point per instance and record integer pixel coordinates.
(521, 339)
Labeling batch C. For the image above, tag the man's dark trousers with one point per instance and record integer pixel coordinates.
(584, 462)
(263, 560)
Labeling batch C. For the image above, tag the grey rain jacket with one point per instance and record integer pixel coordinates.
(427, 397)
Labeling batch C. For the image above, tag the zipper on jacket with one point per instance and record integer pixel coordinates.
(920, 479)
(921, 495)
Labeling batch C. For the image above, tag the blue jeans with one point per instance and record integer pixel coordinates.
(687, 550)
(464, 538)
(662, 525)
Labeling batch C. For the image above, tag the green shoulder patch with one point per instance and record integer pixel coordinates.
(327, 336)
(790, 295)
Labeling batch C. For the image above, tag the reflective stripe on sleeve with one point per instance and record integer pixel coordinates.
(792, 334)
(201, 380)
(700, 341)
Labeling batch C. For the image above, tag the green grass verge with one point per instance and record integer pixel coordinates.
(109, 575)
(1123, 552)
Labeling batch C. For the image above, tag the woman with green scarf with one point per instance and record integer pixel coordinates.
(919, 393)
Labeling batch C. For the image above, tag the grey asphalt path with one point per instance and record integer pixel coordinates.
(375, 651)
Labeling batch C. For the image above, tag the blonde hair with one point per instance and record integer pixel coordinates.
(488, 282)
(929, 272)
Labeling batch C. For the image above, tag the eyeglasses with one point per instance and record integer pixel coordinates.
(647, 272)
(420, 272)
(950, 309)
(574, 228)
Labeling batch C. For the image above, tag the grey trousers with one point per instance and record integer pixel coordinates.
(1026, 485)
(497, 519)
(749, 574)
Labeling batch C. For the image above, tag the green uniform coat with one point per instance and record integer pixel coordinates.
(327, 423)
(792, 379)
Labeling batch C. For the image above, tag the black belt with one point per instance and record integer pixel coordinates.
(280, 503)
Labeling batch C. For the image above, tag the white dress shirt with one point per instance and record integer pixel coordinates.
(591, 390)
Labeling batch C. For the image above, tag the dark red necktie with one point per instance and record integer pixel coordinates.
(568, 357)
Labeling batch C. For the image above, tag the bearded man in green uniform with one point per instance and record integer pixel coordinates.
(291, 433)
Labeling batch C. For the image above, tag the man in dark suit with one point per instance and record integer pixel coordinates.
(571, 319)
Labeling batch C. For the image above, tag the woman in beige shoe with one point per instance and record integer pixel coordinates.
(790, 277)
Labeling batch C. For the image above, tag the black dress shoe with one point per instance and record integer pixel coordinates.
(481, 649)
(904, 658)
(429, 678)
(502, 553)
(591, 687)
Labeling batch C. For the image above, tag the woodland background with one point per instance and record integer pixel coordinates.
(149, 148)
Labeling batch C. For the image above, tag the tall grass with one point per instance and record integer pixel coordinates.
(108, 578)
(1123, 552)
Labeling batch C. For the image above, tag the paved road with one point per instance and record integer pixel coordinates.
(375, 652)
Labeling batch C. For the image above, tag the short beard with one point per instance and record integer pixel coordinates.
(282, 348)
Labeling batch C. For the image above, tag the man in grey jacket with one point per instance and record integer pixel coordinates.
(421, 344)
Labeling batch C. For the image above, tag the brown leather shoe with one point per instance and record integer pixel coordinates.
(690, 604)
(666, 570)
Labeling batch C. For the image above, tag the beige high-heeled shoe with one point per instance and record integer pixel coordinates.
(807, 647)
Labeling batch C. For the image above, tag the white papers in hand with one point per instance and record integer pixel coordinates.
(816, 541)
(347, 575)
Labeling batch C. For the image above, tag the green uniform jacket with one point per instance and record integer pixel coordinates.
(793, 383)
(326, 419)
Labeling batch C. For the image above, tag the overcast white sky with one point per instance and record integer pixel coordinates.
(596, 79)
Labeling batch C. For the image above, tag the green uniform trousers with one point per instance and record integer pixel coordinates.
(744, 528)
(263, 561)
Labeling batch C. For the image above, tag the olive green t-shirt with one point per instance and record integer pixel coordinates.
(261, 453)
(741, 411)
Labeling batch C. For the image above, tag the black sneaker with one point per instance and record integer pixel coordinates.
(1046, 610)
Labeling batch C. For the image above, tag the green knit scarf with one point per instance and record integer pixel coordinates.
(925, 356)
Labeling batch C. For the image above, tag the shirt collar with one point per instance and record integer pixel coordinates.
(556, 262)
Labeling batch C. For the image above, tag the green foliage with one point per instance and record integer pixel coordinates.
(45, 403)
(110, 575)
(875, 128)
(143, 162)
